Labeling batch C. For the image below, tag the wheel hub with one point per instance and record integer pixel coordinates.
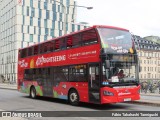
(73, 97)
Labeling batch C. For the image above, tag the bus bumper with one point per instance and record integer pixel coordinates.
(116, 95)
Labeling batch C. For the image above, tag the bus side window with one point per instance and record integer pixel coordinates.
(35, 50)
(45, 48)
(23, 53)
(30, 51)
(51, 46)
(76, 40)
(57, 45)
(89, 37)
(69, 41)
(62, 44)
(41, 47)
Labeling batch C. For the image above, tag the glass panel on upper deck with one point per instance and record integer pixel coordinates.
(115, 41)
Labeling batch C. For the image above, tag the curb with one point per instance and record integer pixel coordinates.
(145, 103)
(6, 86)
(157, 95)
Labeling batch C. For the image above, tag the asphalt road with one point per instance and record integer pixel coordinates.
(12, 100)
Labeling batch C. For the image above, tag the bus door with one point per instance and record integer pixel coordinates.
(94, 83)
(48, 82)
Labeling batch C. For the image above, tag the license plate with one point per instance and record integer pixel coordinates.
(127, 99)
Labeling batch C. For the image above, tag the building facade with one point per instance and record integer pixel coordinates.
(26, 22)
(149, 57)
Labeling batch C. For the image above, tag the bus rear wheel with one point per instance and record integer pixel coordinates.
(33, 92)
(73, 97)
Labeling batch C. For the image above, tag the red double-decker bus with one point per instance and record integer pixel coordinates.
(95, 65)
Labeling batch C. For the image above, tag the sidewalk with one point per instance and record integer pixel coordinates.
(152, 99)
(8, 86)
(143, 100)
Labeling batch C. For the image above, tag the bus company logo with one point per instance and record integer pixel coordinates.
(42, 60)
(23, 64)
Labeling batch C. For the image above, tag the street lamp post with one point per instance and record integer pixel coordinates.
(65, 14)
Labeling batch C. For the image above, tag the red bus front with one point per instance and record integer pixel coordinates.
(120, 81)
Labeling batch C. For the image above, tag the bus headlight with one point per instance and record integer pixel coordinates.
(107, 93)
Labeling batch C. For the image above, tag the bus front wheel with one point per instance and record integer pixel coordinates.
(33, 92)
(73, 97)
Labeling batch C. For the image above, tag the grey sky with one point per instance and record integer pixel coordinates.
(141, 17)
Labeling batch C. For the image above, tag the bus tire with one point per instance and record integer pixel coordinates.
(73, 97)
(33, 92)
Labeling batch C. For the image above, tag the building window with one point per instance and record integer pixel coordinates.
(53, 7)
(31, 21)
(28, 29)
(47, 14)
(39, 31)
(45, 37)
(39, 22)
(46, 31)
(54, 16)
(79, 27)
(27, 11)
(59, 25)
(144, 75)
(22, 10)
(32, 12)
(39, 4)
(31, 38)
(53, 24)
(73, 27)
(45, 23)
(60, 32)
(67, 2)
(22, 28)
(23, 20)
(23, 37)
(45, 5)
(52, 33)
(59, 8)
(66, 26)
(34, 30)
(38, 38)
(31, 3)
(60, 17)
(40, 13)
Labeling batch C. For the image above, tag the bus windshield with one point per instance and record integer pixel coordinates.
(115, 41)
(120, 72)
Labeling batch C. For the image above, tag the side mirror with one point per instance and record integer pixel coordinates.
(107, 64)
